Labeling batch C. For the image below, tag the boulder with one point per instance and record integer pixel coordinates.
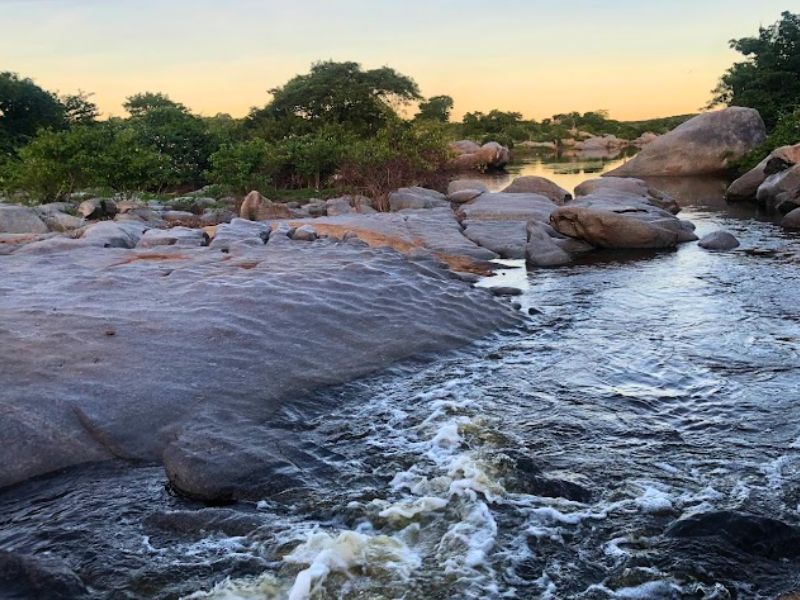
(338, 206)
(20, 219)
(532, 184)
(791, 220)
(415, 198)
(502, 206)
(746, 186)
(459, 185)
(113, 234)
(97, 208)
(464, 147)
(630, 186)
(216, 216)
(256, 207)
(316, 208)
(470, 156)
(177, 236)
(601, 143)
(304, 233)
(181, 218)
(240, 232)
(464, 190)
(541, 250)
(62, 222)
(607, 229)
(362, 204)
(780, 192)
(719, 240)
(506, 238)
(706, 144)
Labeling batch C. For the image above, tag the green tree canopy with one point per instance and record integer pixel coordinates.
(79, 109)
(337, 93)
(144, 102)
(24, 109)
(769, 79)
(435, 108)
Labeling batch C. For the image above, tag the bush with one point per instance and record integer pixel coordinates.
(785, 133)
(401, 154)
(107, 155)
(245, 166)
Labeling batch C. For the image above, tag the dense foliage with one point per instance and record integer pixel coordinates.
(785, 133)
(769, 79)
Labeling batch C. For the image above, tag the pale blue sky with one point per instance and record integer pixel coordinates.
(637, 59)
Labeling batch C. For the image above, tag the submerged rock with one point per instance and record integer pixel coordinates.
(706, 144)
(200, 523)
(26, 576)
(753, 534)
(719, 240)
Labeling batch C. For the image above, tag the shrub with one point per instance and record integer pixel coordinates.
(401, 154)
(107, 155)
(785, 133)
(245, 166)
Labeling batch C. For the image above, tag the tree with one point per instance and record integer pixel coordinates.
(337, 93)
(435, 108)
(24, 109)
(144, 102)
(172, 131)
(78, 108)
(769, 79)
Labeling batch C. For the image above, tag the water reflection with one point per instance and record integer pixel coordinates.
(567, 169)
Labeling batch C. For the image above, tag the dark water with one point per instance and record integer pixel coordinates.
(646, 389)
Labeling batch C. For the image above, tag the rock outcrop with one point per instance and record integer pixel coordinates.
(532, 184)
(629, 186)
(470, 156)
(187, 352)
(20, 219)
(746, 186)
(415, 198)
(704, 145)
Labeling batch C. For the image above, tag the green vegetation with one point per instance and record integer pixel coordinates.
(769, 79)
(785, 133)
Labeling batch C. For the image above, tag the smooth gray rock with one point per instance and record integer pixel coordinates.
(463, 196)
(113, 234)
(746, 186)
(780, 192)
(506, 238)
(462, 185)
(508, 207)
(304, 233)
(20, 219)
(338, 206)
(240, 232)
(62, 222)
(719, 240)
(144, 354)
(532, 184)
(182, 237)
(541, 250)
(415, 198)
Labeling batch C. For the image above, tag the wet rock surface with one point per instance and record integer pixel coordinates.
(238, 325)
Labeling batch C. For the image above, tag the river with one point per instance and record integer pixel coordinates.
(546, 462)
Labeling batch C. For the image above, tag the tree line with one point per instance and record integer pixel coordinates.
(337, 125)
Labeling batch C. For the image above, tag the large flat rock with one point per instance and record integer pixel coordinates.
(111, 352)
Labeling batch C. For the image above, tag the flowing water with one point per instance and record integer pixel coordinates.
(546, 462)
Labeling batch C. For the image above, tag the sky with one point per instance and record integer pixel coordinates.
(637, 59)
